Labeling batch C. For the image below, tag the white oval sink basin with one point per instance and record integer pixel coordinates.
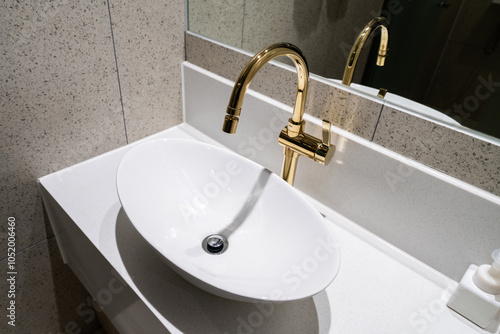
(177, 192)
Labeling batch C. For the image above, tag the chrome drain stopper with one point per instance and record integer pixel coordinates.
(215, 244)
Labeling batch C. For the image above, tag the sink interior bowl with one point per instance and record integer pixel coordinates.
(225, 223)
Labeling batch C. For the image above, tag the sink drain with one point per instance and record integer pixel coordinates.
(215, 244)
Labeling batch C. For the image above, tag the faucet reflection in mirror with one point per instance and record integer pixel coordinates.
(379, 22)
(293, 138)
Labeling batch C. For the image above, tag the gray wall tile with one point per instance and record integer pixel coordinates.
(149, 37)
(222, 20)
(460, 155)
(48, 298)
(59, 100)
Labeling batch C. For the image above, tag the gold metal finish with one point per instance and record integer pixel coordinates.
(326, 127)
(316, 149)
(293, 138)
(289, 167)
(379, 22)
(230, 124)
(381, 92)
(251, 69)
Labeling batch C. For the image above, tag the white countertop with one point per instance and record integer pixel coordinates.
(379, 289)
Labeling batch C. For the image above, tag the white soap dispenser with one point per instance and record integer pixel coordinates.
(487, 278)
(477, 296)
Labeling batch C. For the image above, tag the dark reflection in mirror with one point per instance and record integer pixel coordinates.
(443, 54)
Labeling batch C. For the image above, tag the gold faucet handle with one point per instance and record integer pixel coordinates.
(326, 128)
(325, 151)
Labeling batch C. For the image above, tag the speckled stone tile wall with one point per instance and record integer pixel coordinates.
(49, 298)
(60, 105)
(59, 101)
(222, 20)
(460, 155)
(149, 41)
(465, 157)
(343, 109)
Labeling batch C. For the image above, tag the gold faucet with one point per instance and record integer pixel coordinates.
(379, 22)
(293, 138)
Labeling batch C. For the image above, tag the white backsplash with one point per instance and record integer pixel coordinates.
(435, 218)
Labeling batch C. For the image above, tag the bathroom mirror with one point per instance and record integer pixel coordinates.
(442, 54)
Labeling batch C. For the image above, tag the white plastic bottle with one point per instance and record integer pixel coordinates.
(476, 297)
(487, 277)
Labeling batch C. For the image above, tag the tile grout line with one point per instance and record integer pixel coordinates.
(243, 24)
(30, 246)
(117, 72)
(376, 124)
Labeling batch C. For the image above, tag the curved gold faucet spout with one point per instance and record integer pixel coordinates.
(295, 142)
(249, 72)
(379, 22)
